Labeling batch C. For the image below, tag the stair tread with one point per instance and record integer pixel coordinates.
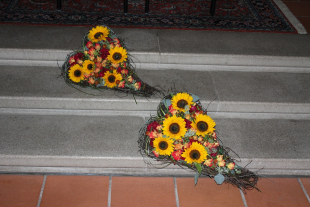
(42, 87)
(156, 40)
(111, 141)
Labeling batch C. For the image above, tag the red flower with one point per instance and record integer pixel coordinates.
(155, 153)
(177, 155)
(91, 51)
(193, 109)
(97, 46)
(152, 126)
(72, 61)
(104, 70)
(89, 44)
(188, 123)
(124, 71)
(104, 53)
(78, 56)
(109, 39)
(119, 69)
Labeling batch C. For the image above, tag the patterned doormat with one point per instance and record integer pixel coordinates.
(231, 15)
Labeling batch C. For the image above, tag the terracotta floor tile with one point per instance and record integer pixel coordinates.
(142, 191)
(75, 191)
(305, 21)
(306, 183)
(207, 193)
(20, 190)
(277, 192)
(299, 8)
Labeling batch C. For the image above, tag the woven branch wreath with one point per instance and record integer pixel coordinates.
(183, 134)
(104, 63)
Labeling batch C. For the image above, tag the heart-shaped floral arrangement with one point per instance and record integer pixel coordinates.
(183, 134)
(104, 64)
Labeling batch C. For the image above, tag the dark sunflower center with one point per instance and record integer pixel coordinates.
(111, 78)
(182, 103)
(163, 145)
(77, 73)
(202, 126)
(98, 35)
(90, 66)
(174, 128)
(117, 56)
(194, 154)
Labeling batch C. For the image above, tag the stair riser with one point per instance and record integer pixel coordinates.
(163, 61)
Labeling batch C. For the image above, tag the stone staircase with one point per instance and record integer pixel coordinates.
(254, 85)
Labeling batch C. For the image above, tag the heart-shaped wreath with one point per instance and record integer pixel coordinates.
(104, 64)
(183, 134)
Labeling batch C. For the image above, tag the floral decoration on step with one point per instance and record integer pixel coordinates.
(183, 134)
(104, 64)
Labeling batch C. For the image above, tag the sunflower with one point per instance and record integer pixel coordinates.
(117, 55)
(203, 124)
(180, 100)
(195, 153)
(174, 127)
(76, 73)
(98, 33)
(164, 146)
(88, 66)
(112, 79)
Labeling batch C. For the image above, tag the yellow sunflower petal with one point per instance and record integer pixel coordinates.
(164, 146)
(180, 100)
(76, 73)
(98, 33)
(204, 124)
(195, 153)
(117, 55)
(174, 127)
(88, 66)
(112, 79)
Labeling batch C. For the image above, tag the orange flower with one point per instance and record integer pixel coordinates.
(221, 163)
(91, 81)
(231, 166)
(155, 153)
(177, 155)
(219, 158)
(178, 146)
(71, 60)
(91, 51)
(115, 65)
(124, 71)
(97, 46)
(209, 162)
(99, 59)
(138, 85)
(129, 79)
(121, 84)
(187, 145)
(153, 134)
(159, 127)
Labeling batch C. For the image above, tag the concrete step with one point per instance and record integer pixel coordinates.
(108, 144)
(42, 90)
(155, 49)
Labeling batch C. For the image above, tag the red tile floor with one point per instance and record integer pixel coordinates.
(301, 10)
(92, 191)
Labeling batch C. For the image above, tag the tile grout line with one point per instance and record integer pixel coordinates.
(243, 198)
(110, 191)
(41, 192)
(176, 192)
(303, 188)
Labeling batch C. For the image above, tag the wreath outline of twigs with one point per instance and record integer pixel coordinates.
(246, 180)
(146, 91)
